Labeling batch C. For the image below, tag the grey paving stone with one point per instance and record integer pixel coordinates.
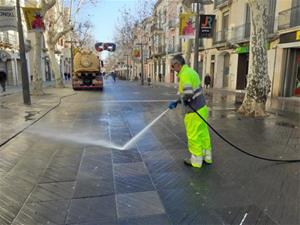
(52, 191)
(162, 166)
(88, 210)
(133, 184)
(127, 156)
(248, 214)
(130, 169)
(197, 217)
(187, 200)
(171, 180)
(147, 220)
(3, 221)
(97, 222)
(11, 200)
(92, 187)
(139, 204)
(37, 213)
(95, 168)
(59, 174)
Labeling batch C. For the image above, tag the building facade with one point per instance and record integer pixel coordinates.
(225, 57)
(9, 51)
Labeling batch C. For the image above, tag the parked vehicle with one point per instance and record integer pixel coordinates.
(87, 71)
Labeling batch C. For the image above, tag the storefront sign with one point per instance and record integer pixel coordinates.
(206, 26)
(289, 37)
(34, 19)
(243, 49)
(187, 25)
(298, 35)
(8, 19)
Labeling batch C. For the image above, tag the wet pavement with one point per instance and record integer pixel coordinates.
(62, 170)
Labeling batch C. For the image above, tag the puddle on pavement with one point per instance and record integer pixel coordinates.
(30, 115)
(2, 106)
(285, 124)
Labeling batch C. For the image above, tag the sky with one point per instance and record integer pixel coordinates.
(104, 17)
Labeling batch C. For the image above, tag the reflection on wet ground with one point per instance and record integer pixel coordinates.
(30, 115)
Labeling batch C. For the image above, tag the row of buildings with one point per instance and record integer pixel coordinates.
(9, 50)
(225, 57)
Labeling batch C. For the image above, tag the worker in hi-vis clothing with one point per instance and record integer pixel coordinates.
(190, 91)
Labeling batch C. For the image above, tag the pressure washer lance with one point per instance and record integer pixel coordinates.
(238, 148)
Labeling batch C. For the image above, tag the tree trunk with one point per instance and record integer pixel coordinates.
(187, 5)
(37, 81)
(258, 81)
(55, 68)
(188, 51)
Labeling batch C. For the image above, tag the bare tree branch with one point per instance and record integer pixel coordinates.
(61, 34)
(46, 6)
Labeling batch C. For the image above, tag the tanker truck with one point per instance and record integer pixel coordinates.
(86, 71)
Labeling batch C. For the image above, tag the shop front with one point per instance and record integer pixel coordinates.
(291, 64)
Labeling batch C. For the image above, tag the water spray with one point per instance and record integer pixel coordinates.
(138, 135)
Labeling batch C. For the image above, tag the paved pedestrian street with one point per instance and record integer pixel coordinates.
(64, 169)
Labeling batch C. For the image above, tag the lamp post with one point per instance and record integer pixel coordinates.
(196, 51)
(127, 68)
(24, 71)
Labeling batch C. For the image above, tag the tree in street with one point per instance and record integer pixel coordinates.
(58, 23)
(37, 81)
(82, 36)
(130, 29)
(58, 26)
(258, 81)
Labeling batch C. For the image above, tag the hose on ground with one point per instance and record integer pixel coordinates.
(240, 149)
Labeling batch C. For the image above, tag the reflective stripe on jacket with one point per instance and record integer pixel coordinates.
(190, 87)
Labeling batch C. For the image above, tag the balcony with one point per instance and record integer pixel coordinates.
(220, 37)
(240, 33)
(162, 49)
(221, 3)
(156, 28)
(174, 49)
(289, 18)
(172, 24)
(8, 40)
(159, 50)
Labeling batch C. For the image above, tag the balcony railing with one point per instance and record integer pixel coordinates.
(220, 36)
(174, 49)
(8, 40)
(289, 18)
(240, 33)
(159, 50)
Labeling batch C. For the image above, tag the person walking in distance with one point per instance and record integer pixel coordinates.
(191, 94)
(3, 78)
(207, 81)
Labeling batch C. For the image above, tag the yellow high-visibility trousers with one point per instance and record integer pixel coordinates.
(197, 132)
